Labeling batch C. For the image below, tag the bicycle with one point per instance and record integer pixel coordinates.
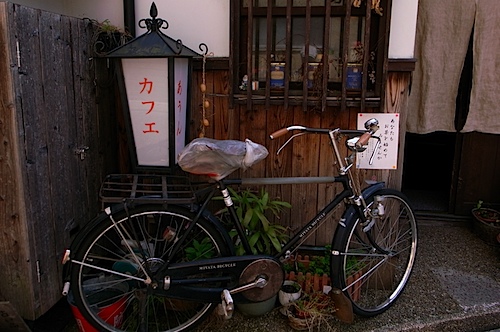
(159, 260)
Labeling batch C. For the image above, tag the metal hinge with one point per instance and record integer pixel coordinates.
(81, 151)
(38, 273)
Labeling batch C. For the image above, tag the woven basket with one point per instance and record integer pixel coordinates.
(308, 320)
(301, 324)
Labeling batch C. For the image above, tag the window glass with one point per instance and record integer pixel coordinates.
(293, 58)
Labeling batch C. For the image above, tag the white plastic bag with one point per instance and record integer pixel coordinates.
(219, 158)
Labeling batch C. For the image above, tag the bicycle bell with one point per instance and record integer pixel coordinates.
(372, 125)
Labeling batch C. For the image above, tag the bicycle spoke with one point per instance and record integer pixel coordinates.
(376, 265)
(113, 264)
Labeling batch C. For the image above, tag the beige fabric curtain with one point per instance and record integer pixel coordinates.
(443, 31)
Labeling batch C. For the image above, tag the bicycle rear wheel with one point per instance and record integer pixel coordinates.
(373, 266)
(109, 285)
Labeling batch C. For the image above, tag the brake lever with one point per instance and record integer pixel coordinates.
(377, 145)
(288, 141)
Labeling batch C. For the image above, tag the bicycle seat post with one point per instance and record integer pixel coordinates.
(228, 201)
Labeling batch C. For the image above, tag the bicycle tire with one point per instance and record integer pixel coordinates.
(115, 302)
(373, 275)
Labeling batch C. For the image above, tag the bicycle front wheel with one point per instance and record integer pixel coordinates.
(372, 262)
(112, 263)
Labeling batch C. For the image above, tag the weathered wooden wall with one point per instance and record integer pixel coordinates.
(478, 176)
(309, 155)
(55, 98)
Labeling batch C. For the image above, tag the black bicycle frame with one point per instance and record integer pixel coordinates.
(226, 270)
(313, 223)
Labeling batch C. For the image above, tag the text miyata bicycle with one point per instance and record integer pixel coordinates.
(157, 259)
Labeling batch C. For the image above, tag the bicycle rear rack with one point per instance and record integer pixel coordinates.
(141, 188)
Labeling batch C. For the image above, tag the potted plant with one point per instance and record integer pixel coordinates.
(107, 37)
(253, 210)
(485, 214)
(311, 311)
(311, 272)
(264, 237)
(290, 292)
(486, 223)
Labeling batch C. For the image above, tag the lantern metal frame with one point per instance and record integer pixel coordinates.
(155, 44)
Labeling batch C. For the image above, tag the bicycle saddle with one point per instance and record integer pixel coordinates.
(219, 158)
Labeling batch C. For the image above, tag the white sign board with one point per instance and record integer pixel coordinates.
(181, 97)
(385, 155)
(146, 81)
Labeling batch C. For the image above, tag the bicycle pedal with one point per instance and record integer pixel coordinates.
(222, 311)
(226, 307)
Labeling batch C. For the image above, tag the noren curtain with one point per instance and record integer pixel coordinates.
(443, 31)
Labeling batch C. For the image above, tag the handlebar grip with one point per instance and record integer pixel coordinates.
(363, 139)
(278, 133)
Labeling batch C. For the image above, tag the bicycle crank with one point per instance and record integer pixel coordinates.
(260, 280)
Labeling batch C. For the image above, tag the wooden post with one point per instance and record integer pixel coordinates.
(396, 101)
(14, 254)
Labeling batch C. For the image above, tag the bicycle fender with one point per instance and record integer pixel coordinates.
(75, 243)
(349, 215)
(83, 233)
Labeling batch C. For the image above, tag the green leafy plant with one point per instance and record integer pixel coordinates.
(352, 265)
(107, 36)
(263, 236)
(479, 204)
(320, 264)
(292, 287)
(295, 266)
(199, 250)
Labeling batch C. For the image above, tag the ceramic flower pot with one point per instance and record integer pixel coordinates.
(290, 291)
(257, 308)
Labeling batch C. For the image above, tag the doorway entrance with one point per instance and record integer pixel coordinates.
(428, 169)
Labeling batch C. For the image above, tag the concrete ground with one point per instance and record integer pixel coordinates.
(455, 286)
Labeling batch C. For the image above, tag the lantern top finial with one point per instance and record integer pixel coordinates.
(153, 43)
(153, 11)
(153, 23)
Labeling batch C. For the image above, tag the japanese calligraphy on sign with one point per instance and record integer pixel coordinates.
(181, 97)
(385, 155)
(148, 94)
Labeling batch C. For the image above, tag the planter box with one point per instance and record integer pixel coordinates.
(487, 230)
(309, 282)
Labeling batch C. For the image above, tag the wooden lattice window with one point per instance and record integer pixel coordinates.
(308, 52)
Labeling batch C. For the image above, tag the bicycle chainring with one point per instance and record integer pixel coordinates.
(268, 269)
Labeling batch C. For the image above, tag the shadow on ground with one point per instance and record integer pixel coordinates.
(455, 286)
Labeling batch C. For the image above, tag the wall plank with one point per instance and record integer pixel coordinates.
(52, 108)
(14, 255)
(309, 155)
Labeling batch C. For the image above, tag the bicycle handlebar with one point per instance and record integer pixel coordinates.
(370, 125)
(283, 131)
(363, 140)
(278, 133)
